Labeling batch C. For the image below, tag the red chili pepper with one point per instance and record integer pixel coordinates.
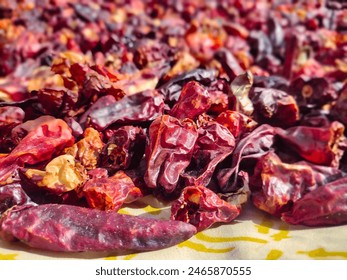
(41, 144)
(74, 229)
(202, 208)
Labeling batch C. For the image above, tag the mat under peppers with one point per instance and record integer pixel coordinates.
(210, 130)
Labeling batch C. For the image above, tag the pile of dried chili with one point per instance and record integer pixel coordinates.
(204, 104)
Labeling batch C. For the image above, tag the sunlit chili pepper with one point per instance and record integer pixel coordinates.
(202, 208)
(83, 229)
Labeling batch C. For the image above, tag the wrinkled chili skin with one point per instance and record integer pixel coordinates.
(202, 208)
(110, 193)
(325, 206)
(193, 101)
(237, 123)
(124, 149)
(40, 144)
(10, 117)
(213, 145)
(171, 90)
(276, 185)
(275, 107)
(89, 229)
(252, 146)
(141, 107)
(170, 149)
(319, 145)
(230, 64)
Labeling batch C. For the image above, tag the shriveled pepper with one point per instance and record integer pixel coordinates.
(202, 208)
(324, 206)
(109, 193)
(70, 228)
(169, 151)
(42, 143)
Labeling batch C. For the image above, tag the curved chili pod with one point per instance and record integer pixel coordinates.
(70, 228)
(324, 206)
(238, 124)
(319, 145)
(274, 107)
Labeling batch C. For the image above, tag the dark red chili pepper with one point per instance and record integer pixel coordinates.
(124, 149)
(274, 106)
(202, 208)
(74, 229)
(324, 206)
(171, 90)
(141, 107)
(275, 185)
(11, 195)
(237, 123)
(170, 149)
(252, 146)
(319, 145)
(213, 145)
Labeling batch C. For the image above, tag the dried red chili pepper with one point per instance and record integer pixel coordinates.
(10, 117)
(312, 92)
(237, 123)
(62, 174)
(193, 101)
(202, 208)
(102, 102)
(171, 90)
(57, 101)
(110, 193)
(40, 144)
(170, 149)
(88, 149)
(83, 229)
(124, 149)
(276, 185)
(252, 146)
(150, 53)
(93, 84)
(141, 107)
(213, 145)
(319, 145)
(324, 206)
(204, 37)
(275, 107)
(230, 64)
(21, 130)
(218, 91)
